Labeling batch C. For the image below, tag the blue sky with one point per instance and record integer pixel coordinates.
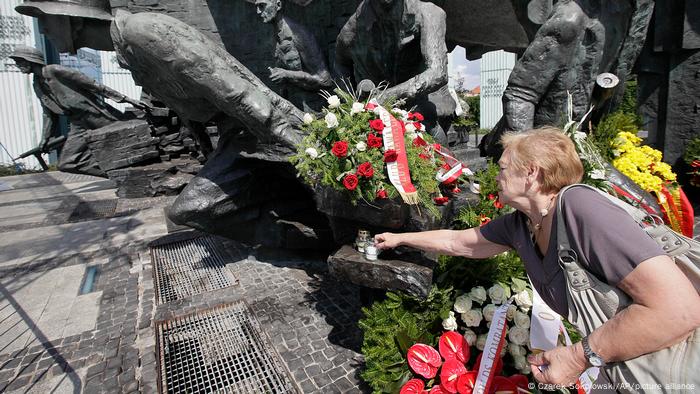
(458, 65)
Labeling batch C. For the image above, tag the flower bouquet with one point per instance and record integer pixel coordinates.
(370, 152)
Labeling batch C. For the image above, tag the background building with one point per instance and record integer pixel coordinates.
(495, 69)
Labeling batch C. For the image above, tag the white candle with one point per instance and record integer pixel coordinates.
(371, 252)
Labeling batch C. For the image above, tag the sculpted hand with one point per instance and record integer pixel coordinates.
(386, 240)
(559, 366)
(277, 74)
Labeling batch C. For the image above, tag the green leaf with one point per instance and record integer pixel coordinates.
(404, 341)
(395, 387)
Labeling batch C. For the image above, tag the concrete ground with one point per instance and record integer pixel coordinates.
(59, 334)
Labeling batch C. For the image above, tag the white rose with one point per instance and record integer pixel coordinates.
(481, 341)
(333, 101)
(361, 146)
(519, 335)
(522, 320)
(472, 318)
(497, 294)
(463, 304)
(410, 128)
(470, 337)
(523, 300)
(308, 118)
(312, 152)
(331, 120)
(478, 294)
(488, 311)
(520, 363)
(510, 312)
(516, 350)
(357, 108)
(450, 324)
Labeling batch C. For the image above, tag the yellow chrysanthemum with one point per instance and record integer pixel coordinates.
(642, 164)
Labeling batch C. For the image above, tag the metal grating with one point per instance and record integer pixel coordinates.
(89, 210)
(189, 267)
(221, 350)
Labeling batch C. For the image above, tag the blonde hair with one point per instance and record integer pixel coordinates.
(549, 149)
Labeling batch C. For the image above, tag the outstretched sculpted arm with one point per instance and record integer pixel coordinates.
(75, 78)
(551, 52)
(434, 51)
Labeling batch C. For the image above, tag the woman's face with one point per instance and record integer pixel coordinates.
(511, 183)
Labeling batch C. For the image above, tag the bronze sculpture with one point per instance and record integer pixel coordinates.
(66, 91)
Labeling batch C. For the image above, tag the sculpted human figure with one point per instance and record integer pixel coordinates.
(201, 82)
(579, 40)
(401, 42)
(299, 59)
(66, 91)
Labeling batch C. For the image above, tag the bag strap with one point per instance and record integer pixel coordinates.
(577, 276)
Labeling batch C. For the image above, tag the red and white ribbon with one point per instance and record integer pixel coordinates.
(456, 167)
(495, 340)
(399, 173)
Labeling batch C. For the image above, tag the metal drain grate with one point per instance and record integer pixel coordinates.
(89, 210)
(189, 267)
(219, 350)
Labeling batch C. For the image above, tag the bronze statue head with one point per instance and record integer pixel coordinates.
(267, 9)
(25, 56)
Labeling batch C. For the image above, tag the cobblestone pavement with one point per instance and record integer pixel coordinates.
(310, 319)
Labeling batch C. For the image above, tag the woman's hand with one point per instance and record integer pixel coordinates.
(387, 240)
(560, 366)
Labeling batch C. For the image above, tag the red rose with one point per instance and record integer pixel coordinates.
(350, 181)
(340, 148)
(437, 146)
(370, 106)
(418, 126)
(492, 196)
(497, 204)
(419, 142)
(377, 124)
(381, 194)
(424, 156)
(441, 200)
(413, 386)
(415, 116)
(373, 141)
(365, 169)
(390, 156)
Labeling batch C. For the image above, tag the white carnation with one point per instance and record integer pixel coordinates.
(361, 146)
(308, 118)
(472, 318)
(470, 336)
(357, 108)
(463, 303)
(333, 101)
(522, 320)
(478, 294)
(510, 312)
(401, 113)
(331, 120)
(497, 294)
(450, 324)
(481, 341)
(516, 350)
(519, 335)
(410, 128)
(523, 300)
(489, 311)
(312, 152)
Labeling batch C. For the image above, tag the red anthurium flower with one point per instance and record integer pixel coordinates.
(390, 156)
(419, 142)
(453, 345)
(350, 181)
(484, 219)
(451, 371)
(498, 367)
(441, 200)
(365, 169)
(413, 386)
(437, 390)
(503, 385)
(381, 193)
(376, 124)
(465, 383)
(373, 141)
(520, 381)
(340, 148)
(695, 163)
(416, 116)
(370, 106)
(497, 204)
(424, 360)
